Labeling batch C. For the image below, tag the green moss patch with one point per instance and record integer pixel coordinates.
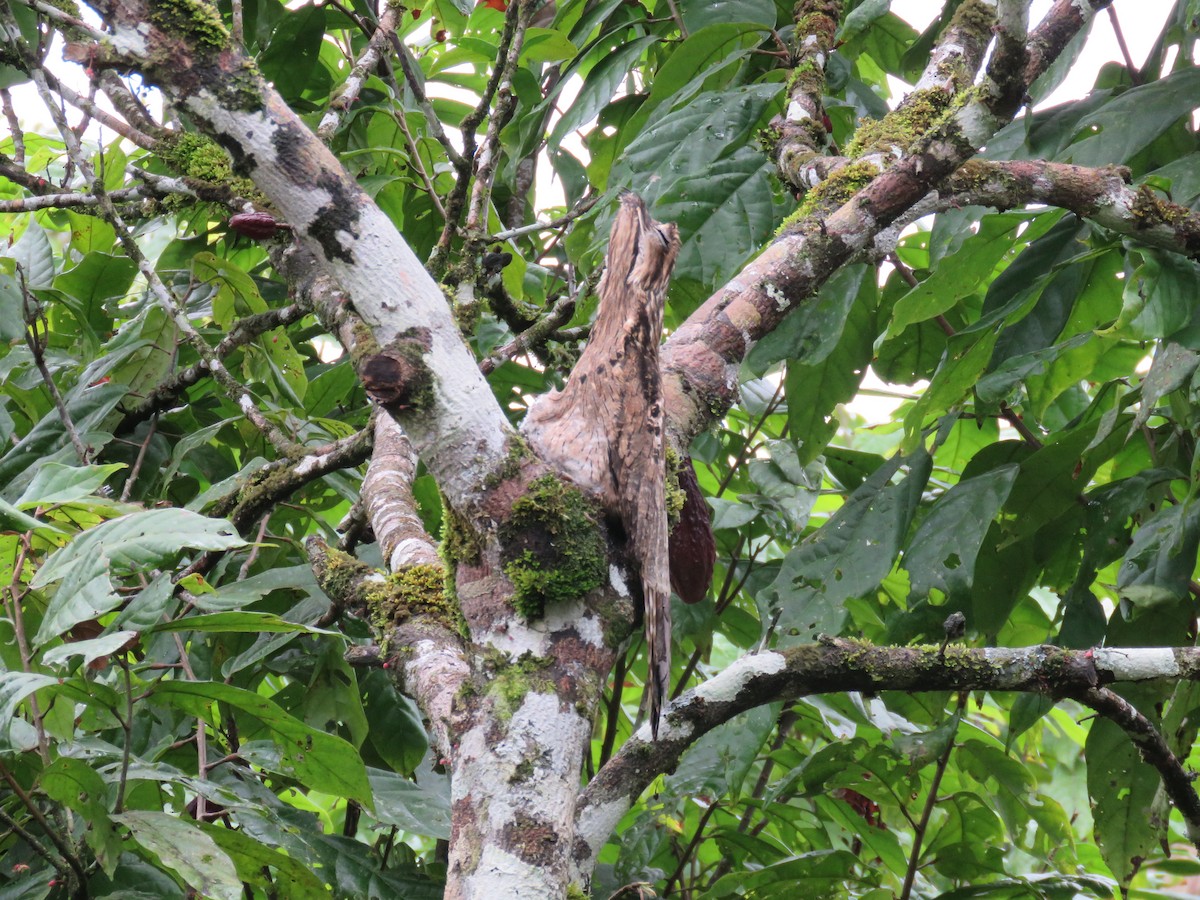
(553, 546)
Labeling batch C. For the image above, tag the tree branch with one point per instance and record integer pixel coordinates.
(460, 430)
(701, 359)
(836, 666)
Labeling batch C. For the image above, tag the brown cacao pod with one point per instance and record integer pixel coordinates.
(693, 550)
(256, 225)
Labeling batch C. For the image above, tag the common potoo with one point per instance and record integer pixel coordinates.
(604, 430)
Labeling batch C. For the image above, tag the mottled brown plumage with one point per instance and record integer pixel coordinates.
(605, 429)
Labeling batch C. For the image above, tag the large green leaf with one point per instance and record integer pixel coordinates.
(848, 557)
(323, 762)
(184, 848)
(1128, 122)
(941, 554)
(1121, 787)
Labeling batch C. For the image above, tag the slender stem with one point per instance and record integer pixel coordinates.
(238, 31)
(201, 734)
(68, 852)
(137, 463)
(686, 857)
(418, 163)
(35, 347)
(35, 845)
(14, 127)
(580, 208)
(1134, 74)
(930, 802)
(613, 714)
(244, 571)
(16, 616)
(127, 727)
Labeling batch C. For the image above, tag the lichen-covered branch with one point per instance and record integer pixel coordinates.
(281, 478)
(701, 359)
(419, 643)
(1101, 195)
(1177, 782)
(836, 666)
(460, 431)
(385, 31)
(800, 137)
(391, 508)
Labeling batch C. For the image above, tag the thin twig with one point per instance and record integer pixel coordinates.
(914, 858)
(686, 856)
(1177, 782)
(17, 619)
(201, 732)
(244, 571)
(488, 157)
(539, 332)
(358, 75)
(612, 714)
(67, 851)
(14, 127)
(137, 463)
(419, 164)
(127, 727)
(585, 204)
(35, 845)
(35, 348)
(1134, 74)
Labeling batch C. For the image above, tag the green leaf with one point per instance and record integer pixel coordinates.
(1130, 121)
(1158, 298)
(814, 389)
(84, 601)
(965, 359)
(721, 215)
(546, 45)
(719, 762)
(290, 58)
(14, 688)
(323, 762)
(412, 807)
(848, 557)
(809, 333)
(959, 275)
(1173, 367)
(941, 555)
(269, 870)
(77, 786)
(12, 519)
(698, 14)
(1121, 788)
(811, 874)
(96, 278)
(1158, 564)
(90, 650)
(134, 542)
(34, 258)
(396, 725)
(185, 849)
(235, 622)
(12, 303)
(600, 84)
(55, 483)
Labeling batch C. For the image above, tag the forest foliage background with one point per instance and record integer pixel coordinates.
(177, 709)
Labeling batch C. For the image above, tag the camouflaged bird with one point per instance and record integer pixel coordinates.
(604, 430)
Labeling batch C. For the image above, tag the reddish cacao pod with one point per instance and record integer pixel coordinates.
(693, 550)
(256, 225)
